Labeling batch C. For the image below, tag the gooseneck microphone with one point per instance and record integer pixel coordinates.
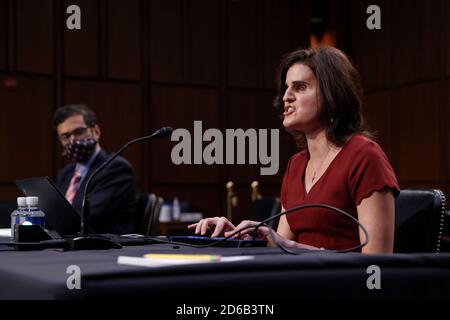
(90, 241)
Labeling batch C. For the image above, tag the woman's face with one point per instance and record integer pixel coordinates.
(301, 100)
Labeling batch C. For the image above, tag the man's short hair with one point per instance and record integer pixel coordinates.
(67, 111)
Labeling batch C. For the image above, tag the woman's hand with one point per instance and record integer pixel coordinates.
(263, 232)
(266, 233)
(220, 224)
(224, 227)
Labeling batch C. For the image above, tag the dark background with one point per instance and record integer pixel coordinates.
(145, 64)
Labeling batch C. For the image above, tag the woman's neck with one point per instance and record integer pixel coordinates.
(318, 145)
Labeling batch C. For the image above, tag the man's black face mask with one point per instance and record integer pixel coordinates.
(80, 150)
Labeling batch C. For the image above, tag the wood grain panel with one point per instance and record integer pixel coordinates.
(204, 38)
(372, 48)
(26, 132)
(419, 147)
(179, 107)
(445, 22)
(124, 35)
(9, 193)
(35, 36)
(166, 40)
(242, 49)
(3, 34)
(428, 63)
(405, 39)
(379, 118)
(277, 37)
(81, 47)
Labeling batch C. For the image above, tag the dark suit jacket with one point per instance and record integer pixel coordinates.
(112, 194)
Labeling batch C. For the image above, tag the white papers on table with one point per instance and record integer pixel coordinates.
(149, 262)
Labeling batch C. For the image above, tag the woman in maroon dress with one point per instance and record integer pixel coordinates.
(339, 165)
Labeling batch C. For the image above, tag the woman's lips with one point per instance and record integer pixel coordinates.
(288, 111)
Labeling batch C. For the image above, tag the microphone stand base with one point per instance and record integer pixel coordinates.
(91, 243)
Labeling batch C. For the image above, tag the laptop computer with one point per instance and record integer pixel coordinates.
(59, 213)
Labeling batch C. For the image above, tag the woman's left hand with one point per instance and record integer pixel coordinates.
(266, 233)
(263, 232)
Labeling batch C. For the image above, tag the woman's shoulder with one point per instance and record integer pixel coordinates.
(299, 157)
(297, 161)
(360, 144)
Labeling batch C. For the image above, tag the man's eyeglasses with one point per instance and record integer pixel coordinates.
(76, 133)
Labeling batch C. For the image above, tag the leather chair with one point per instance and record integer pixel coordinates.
(264, 208)
(151, 224)
(419, 221)
(147, 210)
(143, 207)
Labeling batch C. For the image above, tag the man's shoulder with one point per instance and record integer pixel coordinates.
(118, 164)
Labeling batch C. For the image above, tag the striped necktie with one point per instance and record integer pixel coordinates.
(73, 186)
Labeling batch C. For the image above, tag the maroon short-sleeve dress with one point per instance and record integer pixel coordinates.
(359, 169)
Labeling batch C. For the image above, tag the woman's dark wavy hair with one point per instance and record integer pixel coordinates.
(340, 92)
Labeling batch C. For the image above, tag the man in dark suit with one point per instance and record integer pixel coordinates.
(112, 192)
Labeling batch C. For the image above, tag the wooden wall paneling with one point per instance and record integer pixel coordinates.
(445, 29)
(178, 107)
(277, 30)
(378, 111)
(204, 38)
(377, 47)
(250, 109)
(420, 142)
(118, 113)
(445, 117)
(8, 193)
(355, 12)
(35, 36)
(203, 199)
(81, 47)
(299, 15)
(27, 132)
(3, 34)
(404, 41)
(428, 63)
(124, 39)
(343, 25)
(370, 50)
(166, 41)
(243, 51)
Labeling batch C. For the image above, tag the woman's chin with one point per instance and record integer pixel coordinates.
(291, 125)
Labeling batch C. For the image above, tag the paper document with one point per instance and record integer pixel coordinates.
(159, 260)
(5, 232)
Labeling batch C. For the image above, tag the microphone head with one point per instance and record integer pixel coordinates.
(163, 132)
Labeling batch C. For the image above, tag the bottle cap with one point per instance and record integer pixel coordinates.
(21, 201)
(32, 201)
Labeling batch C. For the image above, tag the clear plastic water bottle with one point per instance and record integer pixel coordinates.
(16, 214)
(176, 211)
(33, 214)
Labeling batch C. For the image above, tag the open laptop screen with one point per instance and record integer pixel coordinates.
(59, 213)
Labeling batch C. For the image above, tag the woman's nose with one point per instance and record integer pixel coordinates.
(288, 96)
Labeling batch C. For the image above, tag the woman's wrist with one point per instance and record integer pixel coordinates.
(297, 245)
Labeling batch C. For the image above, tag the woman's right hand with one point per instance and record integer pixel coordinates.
(220, 225)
